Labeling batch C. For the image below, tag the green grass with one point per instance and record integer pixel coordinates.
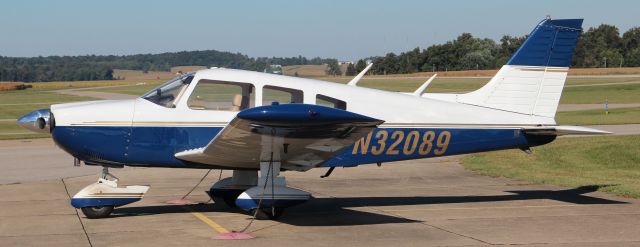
(84, 84)
(595, 80)
(34, 96)
(439, 85)
(11, 130)
(597, 117)
(138, 90)
(613, 161)
(14, 104)
(629, 93)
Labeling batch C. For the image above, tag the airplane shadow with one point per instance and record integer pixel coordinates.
(336, 212)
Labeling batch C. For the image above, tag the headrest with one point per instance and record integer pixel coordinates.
(237, 100)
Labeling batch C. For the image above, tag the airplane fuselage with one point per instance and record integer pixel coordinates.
(140, 133)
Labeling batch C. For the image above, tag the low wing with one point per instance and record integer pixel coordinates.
(564, 130)
(308, 134)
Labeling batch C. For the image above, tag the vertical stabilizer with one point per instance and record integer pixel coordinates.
(532, 80)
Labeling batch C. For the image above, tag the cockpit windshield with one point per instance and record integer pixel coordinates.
(167, 93)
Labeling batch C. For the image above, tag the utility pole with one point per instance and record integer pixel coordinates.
(605, 62)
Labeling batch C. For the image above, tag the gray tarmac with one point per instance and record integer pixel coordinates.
(433, 202)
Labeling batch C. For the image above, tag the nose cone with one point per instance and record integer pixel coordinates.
(37, 121)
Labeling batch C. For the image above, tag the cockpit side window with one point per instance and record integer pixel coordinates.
(168, 93)
(221, 96)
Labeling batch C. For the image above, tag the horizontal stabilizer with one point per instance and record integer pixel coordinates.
(564, 130)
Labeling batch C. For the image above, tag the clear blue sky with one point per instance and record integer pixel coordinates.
(342, 29)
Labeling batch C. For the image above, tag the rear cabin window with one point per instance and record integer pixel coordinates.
(330, 102)
(221, 96)
(281, 95)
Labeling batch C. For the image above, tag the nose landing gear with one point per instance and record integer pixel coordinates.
(99, 199)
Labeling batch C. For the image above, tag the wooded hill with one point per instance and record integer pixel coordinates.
(92, 67)
(597, 48)
(602, 46)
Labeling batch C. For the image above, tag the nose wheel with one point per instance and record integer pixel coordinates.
(97, 212)
(99, 199)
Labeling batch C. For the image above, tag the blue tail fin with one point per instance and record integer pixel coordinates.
(532, 81)
(550, 44)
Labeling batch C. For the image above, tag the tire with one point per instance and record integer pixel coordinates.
(278, 213)
(267, 214)
(97, 212)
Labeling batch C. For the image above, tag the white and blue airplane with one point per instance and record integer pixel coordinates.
(249, 121)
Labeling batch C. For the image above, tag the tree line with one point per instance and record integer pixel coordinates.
(92, 67)
(602, 46)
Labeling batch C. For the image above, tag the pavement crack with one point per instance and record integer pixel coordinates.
(77, 214)
(266, 227)
(418, 221)
(430, 225)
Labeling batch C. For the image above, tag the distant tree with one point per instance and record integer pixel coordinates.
(631, 47)
(108, 75)
(410, 61)
(386, 65)
(333, 68)
(479, 59)
(596, 44)
(361, 65)
(351, 70)
(508, 45)
(612, 58)
(633, 57)
(92, 67)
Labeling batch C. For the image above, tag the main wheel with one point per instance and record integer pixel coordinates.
(97, 212)
(267, 213)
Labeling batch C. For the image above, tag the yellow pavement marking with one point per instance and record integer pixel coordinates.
(209, 222)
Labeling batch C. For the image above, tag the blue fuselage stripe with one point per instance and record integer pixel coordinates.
(156, 146)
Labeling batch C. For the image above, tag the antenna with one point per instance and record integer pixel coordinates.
(355, 80)
(421, 89)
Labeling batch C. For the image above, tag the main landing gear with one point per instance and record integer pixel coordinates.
(99, 199)
(266, 196)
